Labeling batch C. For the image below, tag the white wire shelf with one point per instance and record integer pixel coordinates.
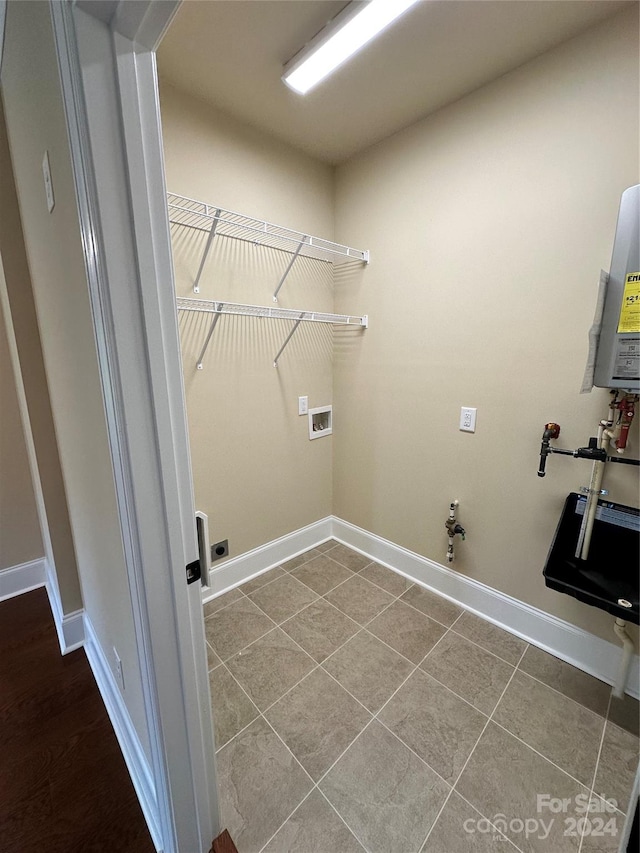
(198, 214)
(216, 221)
(216, 308)
(210, 306)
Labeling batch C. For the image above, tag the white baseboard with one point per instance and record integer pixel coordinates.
(32, 575)
(130, 745)
(69, 626)
(562, 639)
(22, 578)
(574, 645)
(249, 565)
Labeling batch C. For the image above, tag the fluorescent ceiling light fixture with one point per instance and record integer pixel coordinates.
(354, 27)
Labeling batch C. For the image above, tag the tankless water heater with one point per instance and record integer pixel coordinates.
(618, 356)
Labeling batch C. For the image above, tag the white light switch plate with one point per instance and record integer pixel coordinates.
(468, 419)
(303, 405)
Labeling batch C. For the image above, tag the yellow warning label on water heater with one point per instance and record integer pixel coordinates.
(630, 310)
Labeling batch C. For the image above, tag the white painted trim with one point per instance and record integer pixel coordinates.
(25, 577)
(144, 22)
(109, 87)
(252, 563)
(50, 569)
(176, 628)
(576, 646)
(130, 745)
(73, 631)
(589, 653)
(22, 578)
(69, 626)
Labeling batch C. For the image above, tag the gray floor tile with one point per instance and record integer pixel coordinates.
(321, 574)
(608, 842)
(458, 830)
(386, 795)
(504, 777)
(314, 827)
(234, 627)
(359, 599)
(260, 784)
(317, 720)
(406, 630)
(563, 731)
(574, 683)
(368, 669)
(283, 598)
(617, 766)
(471, 672)
(603, 830)
(349, 558)
(294, 562)
(432, 605)
(270, 666)
(320, 629)
(490, 637)
(382, 576)
(624, 713)
(232, 708)
(378, 785)
(265, 578)
(221, 601)
(326, 546)
(435, 723)
(212, 658)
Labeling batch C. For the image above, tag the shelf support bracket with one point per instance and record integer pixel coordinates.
(288, 338)
(209, 334)
(207, 249)
(288, 269)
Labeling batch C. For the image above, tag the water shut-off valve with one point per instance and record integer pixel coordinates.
(459, 529)
(592, 452)
(550, 431)
(453, 529)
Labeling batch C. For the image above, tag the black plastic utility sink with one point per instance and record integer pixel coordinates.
(610, 575)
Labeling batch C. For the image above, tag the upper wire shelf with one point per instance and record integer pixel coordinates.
(228, 223)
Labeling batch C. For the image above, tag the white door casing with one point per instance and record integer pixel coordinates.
(109, 83)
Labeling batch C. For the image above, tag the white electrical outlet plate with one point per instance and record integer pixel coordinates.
(303, 405)
(468, 419)
(48, 184)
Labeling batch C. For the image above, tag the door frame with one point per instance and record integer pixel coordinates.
(106, 56)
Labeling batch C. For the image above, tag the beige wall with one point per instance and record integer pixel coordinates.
(35, 123)
(20, 539)
(256, 474)
(488, 224)
(24, 324)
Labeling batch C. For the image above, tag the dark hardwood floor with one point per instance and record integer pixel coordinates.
(64, 786)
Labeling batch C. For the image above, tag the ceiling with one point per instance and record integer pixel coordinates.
(230, 53)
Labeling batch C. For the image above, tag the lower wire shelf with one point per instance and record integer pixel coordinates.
(209, 306)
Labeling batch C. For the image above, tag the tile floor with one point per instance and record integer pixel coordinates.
(356, 711)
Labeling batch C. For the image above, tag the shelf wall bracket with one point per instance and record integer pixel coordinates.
(288, 338)
(199, 365)
(207, 249)
(302, 242)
